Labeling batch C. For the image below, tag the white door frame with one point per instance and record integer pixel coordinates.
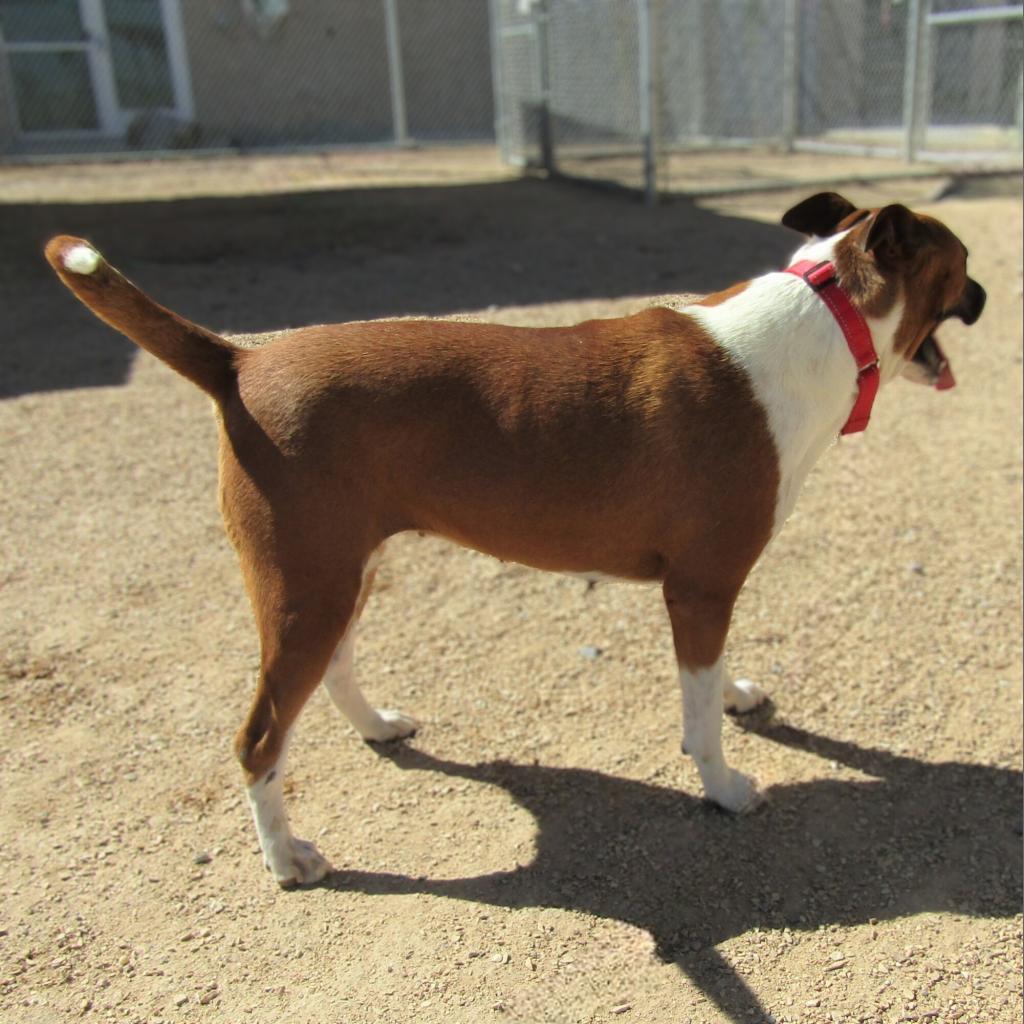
(113, 120)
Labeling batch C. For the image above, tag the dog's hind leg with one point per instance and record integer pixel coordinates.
(340, 679)
(297, 635)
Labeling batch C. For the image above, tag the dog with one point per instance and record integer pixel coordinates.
(668, 447)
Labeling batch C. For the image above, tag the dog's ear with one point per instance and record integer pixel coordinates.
(893, 235)
(819, 215)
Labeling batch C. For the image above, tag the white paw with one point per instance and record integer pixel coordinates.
(743, 695)
(736, 792)
(392, 725)
(297, 862)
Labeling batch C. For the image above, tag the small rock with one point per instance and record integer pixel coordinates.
(180, 1000)
(202, 858)
(622, 1008)
(591, 652)
(917, 568)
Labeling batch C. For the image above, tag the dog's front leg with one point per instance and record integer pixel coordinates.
(700, 622)
(703, 704)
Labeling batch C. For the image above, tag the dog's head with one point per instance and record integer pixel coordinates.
(890, 254)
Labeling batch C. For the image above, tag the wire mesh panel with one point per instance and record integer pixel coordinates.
(973, 74)
(850, 72)
(523, 126)
(720, 68)
(593, 61)
(924, 80)
(645, 90)
(569, 86)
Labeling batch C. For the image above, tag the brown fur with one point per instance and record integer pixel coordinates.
(196, 353)
(614, 447)
(928, 271)
(717, 298)
(891, 254)
(628, 447)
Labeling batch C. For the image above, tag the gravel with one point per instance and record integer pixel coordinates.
(539, 852)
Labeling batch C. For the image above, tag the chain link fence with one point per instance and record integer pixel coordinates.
(664, 94)
(93, 76)
(655, 94)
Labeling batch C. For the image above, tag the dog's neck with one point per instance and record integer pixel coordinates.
(881, 306)
(781, 333)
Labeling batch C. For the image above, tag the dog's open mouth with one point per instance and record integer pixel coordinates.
(930, 365)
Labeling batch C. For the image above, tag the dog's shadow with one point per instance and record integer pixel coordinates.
(912, 837)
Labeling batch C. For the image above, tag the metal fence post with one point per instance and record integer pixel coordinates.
(547, 150)
(399, 121)
(497, 78)
(691, 27)
(914, 73)
(1018, 116)
(790, 74)
(648, 97)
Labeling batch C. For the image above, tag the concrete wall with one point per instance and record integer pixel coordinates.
(321, 74)
(446, 56)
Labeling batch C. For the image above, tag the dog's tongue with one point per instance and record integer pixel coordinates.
(945, 380)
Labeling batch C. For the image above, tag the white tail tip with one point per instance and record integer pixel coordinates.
(82, 259)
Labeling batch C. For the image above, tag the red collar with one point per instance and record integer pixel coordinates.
(822, 278)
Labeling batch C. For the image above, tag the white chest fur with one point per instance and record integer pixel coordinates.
(786, 340)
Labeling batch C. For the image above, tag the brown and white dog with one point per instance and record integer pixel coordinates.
(668, 446)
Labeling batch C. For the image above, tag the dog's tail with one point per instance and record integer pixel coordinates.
(205, 358)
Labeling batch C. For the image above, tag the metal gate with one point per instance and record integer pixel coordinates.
(634, 91)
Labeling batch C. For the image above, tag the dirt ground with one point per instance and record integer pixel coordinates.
(539, 852)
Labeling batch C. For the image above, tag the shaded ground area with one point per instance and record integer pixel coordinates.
(257, 262)
(538, 852)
